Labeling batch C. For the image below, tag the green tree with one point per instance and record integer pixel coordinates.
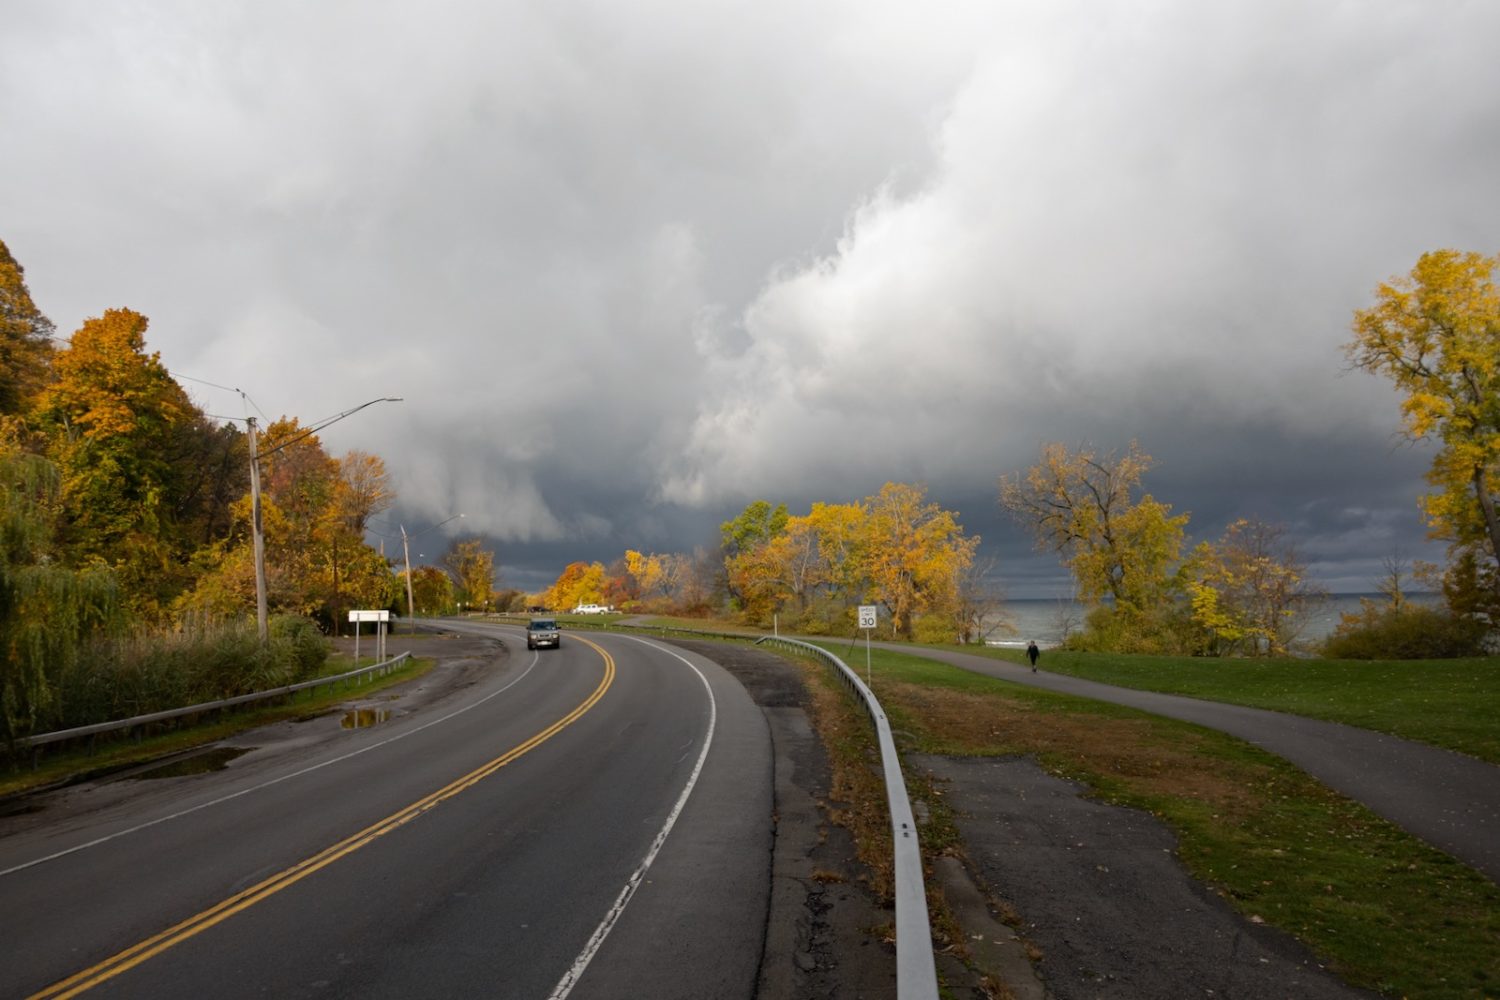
(48, 611)
(432, 590)
(741, 537)
(25, 339)
(1435, 333)
(756, 525)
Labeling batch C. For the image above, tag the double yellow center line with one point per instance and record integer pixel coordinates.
(155, 945)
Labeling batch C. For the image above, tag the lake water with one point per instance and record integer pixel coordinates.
(1046, 620)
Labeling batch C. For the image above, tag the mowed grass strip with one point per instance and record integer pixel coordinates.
(1379, 906)
(1446, 703)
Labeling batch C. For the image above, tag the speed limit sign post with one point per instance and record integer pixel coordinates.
(867, 622)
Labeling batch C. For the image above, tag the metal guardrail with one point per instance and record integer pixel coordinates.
(916, 972)
(359, 674)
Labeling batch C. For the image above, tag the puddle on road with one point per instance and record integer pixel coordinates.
(203, 763)
(364, 718)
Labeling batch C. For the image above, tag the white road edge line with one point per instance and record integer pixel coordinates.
(596, 941)
(274, 781)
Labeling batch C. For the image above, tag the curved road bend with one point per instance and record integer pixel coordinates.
(1448, 799)
(328, 873)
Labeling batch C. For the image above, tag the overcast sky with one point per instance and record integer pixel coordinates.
(633, 265)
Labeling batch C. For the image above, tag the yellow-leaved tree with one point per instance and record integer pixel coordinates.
(915, 556)
(1435, 333)
(472, 567)
(1125, 553)
(579, 583)
(1249, 591)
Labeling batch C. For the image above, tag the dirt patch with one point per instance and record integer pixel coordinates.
(1133, 749)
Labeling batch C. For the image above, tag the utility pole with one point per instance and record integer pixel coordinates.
(411, 616)
(262, 617)
(411, 620)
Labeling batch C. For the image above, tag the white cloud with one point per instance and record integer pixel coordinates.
(619, 258)
(1128, 224)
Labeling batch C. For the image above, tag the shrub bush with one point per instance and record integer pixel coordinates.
(1404, 632)
(298, 642)
(199, 662)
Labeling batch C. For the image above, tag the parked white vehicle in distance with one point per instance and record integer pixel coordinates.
(590, 609)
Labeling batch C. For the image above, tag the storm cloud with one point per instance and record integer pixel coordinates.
(632, 266)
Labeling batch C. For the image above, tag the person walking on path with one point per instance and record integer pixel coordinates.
(1032, 653)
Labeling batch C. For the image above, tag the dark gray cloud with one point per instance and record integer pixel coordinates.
(633, 266)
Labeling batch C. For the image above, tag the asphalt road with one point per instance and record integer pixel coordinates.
(1448, 799)
(545, 829)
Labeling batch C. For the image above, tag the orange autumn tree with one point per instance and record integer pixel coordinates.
(116, 418)
(313, 509)
(579, 583)
(25, 339)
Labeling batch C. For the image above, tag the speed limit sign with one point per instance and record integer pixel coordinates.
(867, 616)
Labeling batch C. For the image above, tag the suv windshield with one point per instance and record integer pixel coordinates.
(543, 623)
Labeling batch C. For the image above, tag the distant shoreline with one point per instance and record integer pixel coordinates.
(1038, 617)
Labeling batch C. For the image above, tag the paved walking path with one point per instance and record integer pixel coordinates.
(1450, 800)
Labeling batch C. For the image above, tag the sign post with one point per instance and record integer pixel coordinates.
(380, 618)
(867, 622)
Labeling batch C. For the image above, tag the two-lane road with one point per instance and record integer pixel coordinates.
(590, 822)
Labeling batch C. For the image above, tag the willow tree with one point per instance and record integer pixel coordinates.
(1435, 333)
(47, 610)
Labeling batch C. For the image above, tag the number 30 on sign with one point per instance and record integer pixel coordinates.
(867, 616)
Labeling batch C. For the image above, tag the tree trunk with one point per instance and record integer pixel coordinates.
(1487, 506)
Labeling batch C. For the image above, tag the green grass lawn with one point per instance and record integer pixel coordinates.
(1384, 909)
(1448, 703)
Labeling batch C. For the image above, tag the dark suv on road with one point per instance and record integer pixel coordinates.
(542, 632)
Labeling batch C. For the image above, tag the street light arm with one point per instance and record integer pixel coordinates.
(331, 420)
(430, 527)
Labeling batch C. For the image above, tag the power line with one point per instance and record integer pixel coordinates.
(204, 381)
